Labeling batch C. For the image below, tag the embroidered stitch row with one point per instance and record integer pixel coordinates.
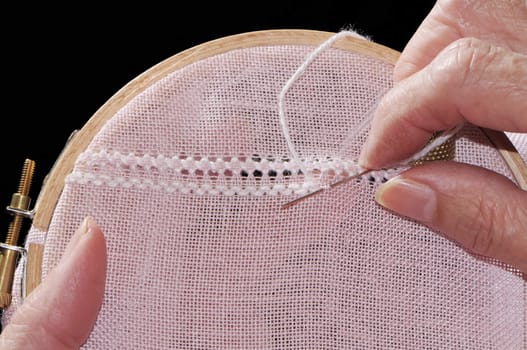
(226, 166)
(185, 187)
(196, 173)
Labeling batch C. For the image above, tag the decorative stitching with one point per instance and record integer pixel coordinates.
(240, 175)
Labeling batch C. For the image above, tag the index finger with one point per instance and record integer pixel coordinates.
(471, 80)
(503, 23)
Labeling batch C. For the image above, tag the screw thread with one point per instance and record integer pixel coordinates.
(14, 230)
(23, 188)
(26, 177)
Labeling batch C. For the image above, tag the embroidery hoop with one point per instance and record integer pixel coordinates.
(52, 187)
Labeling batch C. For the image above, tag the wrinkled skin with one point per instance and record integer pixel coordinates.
(61, 312)
(466, 62)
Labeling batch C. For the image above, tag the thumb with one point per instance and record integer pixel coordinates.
(481, 210)
(61, 311)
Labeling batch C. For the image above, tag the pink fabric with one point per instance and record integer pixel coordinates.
(188, 180)
(519, 140)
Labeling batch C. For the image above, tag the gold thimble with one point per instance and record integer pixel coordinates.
(445, 151)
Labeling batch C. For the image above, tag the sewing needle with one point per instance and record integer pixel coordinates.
(334, 184)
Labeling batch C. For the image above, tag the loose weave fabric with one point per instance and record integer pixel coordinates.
(519, 140)
(187, 182)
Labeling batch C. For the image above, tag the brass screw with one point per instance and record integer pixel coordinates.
(8, 259)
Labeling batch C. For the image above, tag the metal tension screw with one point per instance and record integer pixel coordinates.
(20, 202)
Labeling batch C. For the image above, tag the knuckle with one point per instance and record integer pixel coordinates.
(486, 235)
(490, 227)
(465, 61)
(44, 327)
(19, 333)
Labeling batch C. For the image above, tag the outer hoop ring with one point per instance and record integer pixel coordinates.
(54, 183)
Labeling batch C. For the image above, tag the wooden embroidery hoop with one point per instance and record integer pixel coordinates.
(54, 182)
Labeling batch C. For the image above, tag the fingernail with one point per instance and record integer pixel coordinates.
(85, 228)
(363, 156)
(409, 198)
(368, 159)
(87, 225)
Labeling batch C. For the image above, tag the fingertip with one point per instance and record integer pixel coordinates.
(87, 226)
(404, 68)
(364, 156)
(481, 210)
(64, 307)
(409, 198)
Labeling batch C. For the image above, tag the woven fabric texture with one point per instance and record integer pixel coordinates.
(519, 140)
(188, 181)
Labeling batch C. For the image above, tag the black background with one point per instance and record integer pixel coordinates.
(61, 64)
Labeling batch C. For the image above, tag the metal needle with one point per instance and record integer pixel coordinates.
(334, 184)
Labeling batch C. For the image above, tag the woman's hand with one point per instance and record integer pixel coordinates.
(466, 62)
(61, 311)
